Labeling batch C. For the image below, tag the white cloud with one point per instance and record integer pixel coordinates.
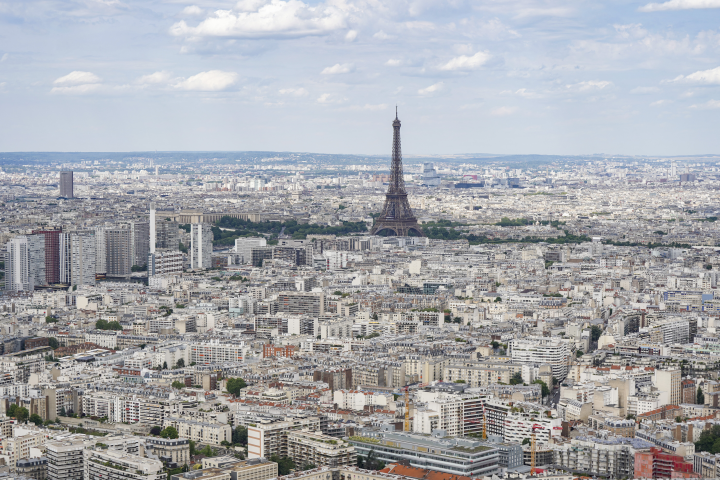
(351, 35)
(711, 104)
(372, 108)
(337, 69)
(589, 86)
(77, 78)
(76, 82)
(192, 10)
(211, 81)
(660, 103)
(270, 18)
(431, 89)
(464, 62)
(502, 111)
(325, 98)
(382, 36)
(154, 78)
(5, 57)
(680, 5)
(708, 77)
(295, 92)
(644, 90)
(393, 62)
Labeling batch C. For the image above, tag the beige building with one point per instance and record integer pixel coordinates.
(270, 438)
(670, 380)
(114, 465)
(177, 450)
(307, 448)
(204, 432)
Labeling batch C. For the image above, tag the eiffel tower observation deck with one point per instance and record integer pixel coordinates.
(397, 218)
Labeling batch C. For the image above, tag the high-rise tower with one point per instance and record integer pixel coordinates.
(66, 185)
(397, 216)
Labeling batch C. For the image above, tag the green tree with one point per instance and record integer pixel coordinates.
(526, 441)
(516, 379)
(53, 342)
(180, 363)
(155, 430)
(50, 319)
(579, 353)
(595, 333)
(700, 397)
(285, 464)
(544, 390)
(193, 452)
(178, 385)
(169, 432)
(164, 366)
(240, 435)
(309, 466)
(207, 451)
(36, 419)
(234, 385)
(63, 413)
(21, 414)
(494, 344)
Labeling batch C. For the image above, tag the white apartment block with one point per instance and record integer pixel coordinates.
(216, 352)
(458, 415)
(165, 262)
(102, 339)
(543, 350)
(357, 400)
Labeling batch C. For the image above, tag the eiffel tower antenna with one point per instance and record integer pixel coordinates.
(397, 216)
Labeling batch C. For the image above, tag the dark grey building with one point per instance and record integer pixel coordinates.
(66, 184)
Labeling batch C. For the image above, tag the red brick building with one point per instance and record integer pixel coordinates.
(658, 464)
(270, 350)
(52, 254)
(688, 391)
(36, 342)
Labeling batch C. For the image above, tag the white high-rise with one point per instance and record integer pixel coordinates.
(542, 350)
(25, 264)
(201, 239)
(77, 257)
(100, 251)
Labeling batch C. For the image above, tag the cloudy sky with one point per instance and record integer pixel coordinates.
(497, 76)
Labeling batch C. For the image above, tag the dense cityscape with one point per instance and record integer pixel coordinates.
(266, 315)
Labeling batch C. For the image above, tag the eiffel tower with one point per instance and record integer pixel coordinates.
(397, 216)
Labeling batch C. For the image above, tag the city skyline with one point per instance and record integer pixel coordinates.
(525, 76)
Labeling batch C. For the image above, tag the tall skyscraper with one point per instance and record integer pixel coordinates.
(66, 184)
(201, 238)
(52, 254)
(166, 235)
(25, 263)
(140, 232)
(119, 253)
(77, 257)
(100, 251)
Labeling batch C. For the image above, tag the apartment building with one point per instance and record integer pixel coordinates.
(113, 465)
(197, 431)
(552, 351)
(165, 262)
(201, 246)
(171, 450)
(216, 352)
(671, 381)
(65, 457)
(119, 251)
(308, 448)
(302, 303)
(269, 437)
(613, 457)
(457, 415)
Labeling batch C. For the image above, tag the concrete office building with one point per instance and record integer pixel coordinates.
(244, 246)
(25, 263)
(113, 465)
(52, 254)
(201, 238)
(165, 262)
(66, 185)
(308, 448)
(166, 235)
(542, 350)
(119, 253)
(457, 456)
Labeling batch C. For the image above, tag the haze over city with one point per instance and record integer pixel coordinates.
(501, 77)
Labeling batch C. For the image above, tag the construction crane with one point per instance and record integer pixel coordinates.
(407, 410)
(533, 471)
